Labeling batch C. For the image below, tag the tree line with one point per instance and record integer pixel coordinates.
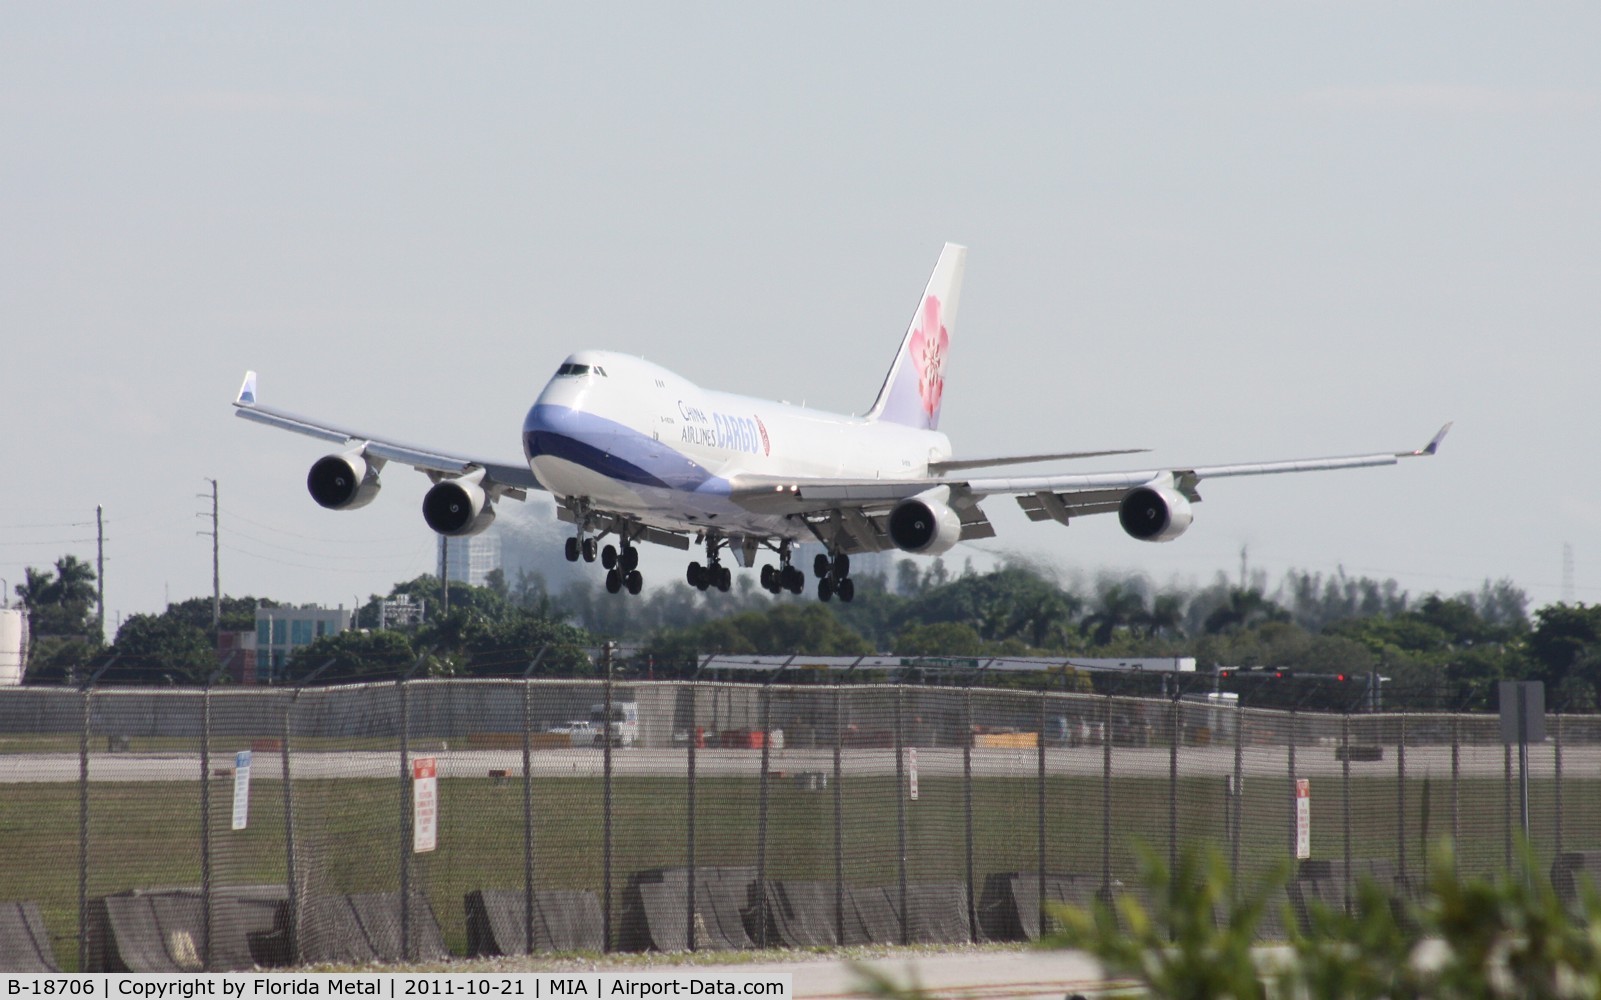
(1315, 624)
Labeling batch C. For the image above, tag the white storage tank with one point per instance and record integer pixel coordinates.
(13, 645)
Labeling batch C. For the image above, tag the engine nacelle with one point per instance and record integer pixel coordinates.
(343, 482)
(457, 507)
(925, 524)
(1155, 514)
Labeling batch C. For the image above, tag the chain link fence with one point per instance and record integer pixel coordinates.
(704, 814)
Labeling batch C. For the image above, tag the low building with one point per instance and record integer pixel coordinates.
(236, 654)
(281, 631)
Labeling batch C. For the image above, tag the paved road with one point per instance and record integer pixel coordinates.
(1010, 974)
(1311, 761)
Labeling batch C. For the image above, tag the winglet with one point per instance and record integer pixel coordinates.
(1434, 442)
(247, 392)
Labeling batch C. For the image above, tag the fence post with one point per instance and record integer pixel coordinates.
(83, 830)
(1456, 792)
(1400, 797)
(967, 809)
(761, 818)
(839, 822)
(205, 826)
(1507, 806)
(1345, 785)
(1557, 791)
(86, 690)
(289, 830)
(405, 818)
(1039, 796)
(900, 809)
(1291, 796)
(1238, 794)
(689, 832)
(606, 804)
(1106, 800)
(1175, 738)
(528, 812)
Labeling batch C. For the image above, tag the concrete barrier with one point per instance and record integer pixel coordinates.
(366, 928)
(162, 930)
(1570, 869)
(656, 902)
(563, 921)
(1009, 905)
(24, 943)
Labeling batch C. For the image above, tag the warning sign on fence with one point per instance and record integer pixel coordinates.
(241, 789)
(1303, 818)
(424, 804)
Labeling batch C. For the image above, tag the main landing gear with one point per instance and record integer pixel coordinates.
(833, 577)
(777, 579)
(713, 574)
(622, 568)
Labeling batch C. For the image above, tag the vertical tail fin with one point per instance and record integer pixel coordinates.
(915, 384)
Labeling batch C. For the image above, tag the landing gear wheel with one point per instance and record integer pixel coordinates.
(572, 550)
(695, 577)
(725, 578)
(847, 590)
(825, 589)
(614, 582)
(842, 566)
(767, 580)
(590, 546)
(608, 557)
(794, 580)
(628, 559)
(820, 566)
(633, 581)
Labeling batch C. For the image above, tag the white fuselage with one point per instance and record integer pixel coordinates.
(633, 437)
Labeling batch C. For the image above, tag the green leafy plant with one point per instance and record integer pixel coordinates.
(1195, 940)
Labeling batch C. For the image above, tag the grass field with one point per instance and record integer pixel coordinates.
(147, 834)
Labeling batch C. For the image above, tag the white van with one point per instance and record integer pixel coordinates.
(624, 723)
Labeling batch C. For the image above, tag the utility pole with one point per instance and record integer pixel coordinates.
(444, 569)
(216, 574)
(100, 570)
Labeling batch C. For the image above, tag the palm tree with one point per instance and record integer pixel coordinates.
(74, 581)
(1245, 609)
(1166, 615)
(1048, 616)
(1122, 607)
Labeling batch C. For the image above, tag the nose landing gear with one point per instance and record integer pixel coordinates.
(622, 565)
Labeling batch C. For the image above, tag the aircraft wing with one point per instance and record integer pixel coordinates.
(512, 478)
(856, 509)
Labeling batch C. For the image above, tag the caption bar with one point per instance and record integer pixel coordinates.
(688, 982)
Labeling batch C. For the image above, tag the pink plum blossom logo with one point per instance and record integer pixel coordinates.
(929, 344)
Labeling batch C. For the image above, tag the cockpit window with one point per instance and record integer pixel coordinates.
(571, 369)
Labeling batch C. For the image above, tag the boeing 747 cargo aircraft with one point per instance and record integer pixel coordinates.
(634, 453)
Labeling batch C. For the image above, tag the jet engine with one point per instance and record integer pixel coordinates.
(458, 507)
(1155, 513)
(343, 482)
(925, 524)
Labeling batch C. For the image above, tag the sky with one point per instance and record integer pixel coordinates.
(1225, 232)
